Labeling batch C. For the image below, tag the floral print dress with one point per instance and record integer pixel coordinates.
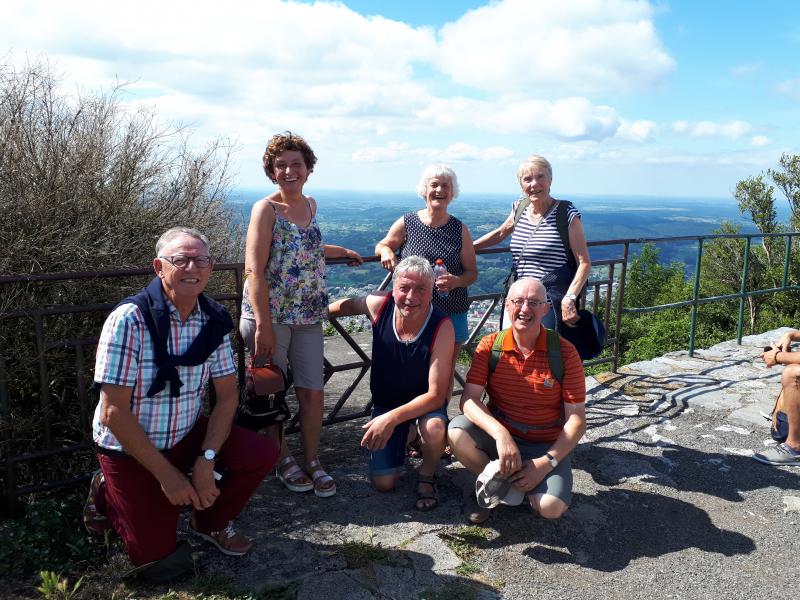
(296, 275)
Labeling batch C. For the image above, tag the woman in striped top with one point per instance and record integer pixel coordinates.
(536, 244)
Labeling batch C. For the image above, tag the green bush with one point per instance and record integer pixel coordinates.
(49, 536)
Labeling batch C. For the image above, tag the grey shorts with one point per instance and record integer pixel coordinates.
(300, 346)
(558, 482)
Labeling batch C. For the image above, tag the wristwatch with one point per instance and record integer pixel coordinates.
(552, 460)
(209, 454)
(572, 297)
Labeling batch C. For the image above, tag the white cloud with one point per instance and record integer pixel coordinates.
(392, 151)
(270, 60)
(637, 131)
(458, 152)
(554, 46)
(565, 118)
(790, 88)
(709, 129)
(745, 69)
(759, 141)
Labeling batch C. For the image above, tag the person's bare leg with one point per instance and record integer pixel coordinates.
(311, 411)
(475, 460)
(790, 380)
(456, 352)
(549, 507)
(467, 453)
(433, 434)
(385, 483)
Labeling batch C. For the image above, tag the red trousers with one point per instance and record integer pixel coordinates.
(141, 514)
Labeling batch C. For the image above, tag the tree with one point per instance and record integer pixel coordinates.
(787, 178)
(755, 198)
(649, 283)
(86, 184)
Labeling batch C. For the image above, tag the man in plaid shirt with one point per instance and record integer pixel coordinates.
(157, 451)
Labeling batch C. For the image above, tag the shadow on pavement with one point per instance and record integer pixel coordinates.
(685, 469)
(607, 531)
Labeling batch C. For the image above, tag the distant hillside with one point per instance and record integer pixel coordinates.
(358, 220)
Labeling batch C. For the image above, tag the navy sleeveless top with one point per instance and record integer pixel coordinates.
(400, 369)
(438, 242)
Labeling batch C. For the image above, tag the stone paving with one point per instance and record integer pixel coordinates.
(668, 503)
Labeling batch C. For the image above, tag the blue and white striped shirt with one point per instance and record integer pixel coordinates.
(544, 252)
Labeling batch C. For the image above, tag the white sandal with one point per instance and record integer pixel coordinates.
(319, 476)
(288, 471)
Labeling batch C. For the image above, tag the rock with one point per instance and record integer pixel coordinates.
(791, 504)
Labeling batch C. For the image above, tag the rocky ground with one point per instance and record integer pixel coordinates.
(668, 503)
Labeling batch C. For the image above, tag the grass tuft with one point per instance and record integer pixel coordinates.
(458, 591)
(362, 554)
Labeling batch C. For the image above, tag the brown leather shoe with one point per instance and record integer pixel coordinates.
(478, 514)
(93, 521)
(227, 540)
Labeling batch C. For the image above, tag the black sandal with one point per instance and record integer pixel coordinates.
(431, 481)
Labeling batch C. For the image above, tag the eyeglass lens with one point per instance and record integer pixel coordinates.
(180, 261)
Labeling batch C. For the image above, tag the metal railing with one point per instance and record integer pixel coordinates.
(225, 286)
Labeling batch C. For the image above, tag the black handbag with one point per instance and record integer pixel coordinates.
(263, 400)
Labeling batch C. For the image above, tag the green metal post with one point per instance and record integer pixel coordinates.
(786, 255)
(695, 296)
(743, 289)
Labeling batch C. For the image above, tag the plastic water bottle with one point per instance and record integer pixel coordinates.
(438, 270)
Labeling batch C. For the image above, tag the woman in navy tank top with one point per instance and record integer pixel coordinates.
(434, 233)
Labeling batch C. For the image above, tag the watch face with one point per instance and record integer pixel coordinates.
(209, 455)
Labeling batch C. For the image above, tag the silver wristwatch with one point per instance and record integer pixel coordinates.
(209, 454)
(572, 297)
(552, 460)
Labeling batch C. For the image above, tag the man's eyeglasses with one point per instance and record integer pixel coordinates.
(519, 302)
(181, 262)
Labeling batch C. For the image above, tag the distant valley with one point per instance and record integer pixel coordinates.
(358, 220)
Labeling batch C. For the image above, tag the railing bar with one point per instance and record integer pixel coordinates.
(30, 456)
(695, 296)
(346, 394)
(350, 341)
(742, 291)
(709, 300)
(786, 257)
(347, 367)
(10, 504)
(83, 400)
(618, 311)
(44, 388)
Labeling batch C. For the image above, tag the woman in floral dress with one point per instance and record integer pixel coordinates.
(285, 299)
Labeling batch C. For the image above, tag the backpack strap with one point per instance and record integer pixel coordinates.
(497, 348)
(554, 358)
(562, 224)
(523, 204)
(554, 355)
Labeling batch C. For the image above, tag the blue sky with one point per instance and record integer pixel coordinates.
(624, 97)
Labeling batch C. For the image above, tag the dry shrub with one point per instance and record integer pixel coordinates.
(86, 183)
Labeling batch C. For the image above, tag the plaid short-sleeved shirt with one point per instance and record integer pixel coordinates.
(125, 357)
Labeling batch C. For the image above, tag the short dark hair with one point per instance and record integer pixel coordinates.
(280, 143)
